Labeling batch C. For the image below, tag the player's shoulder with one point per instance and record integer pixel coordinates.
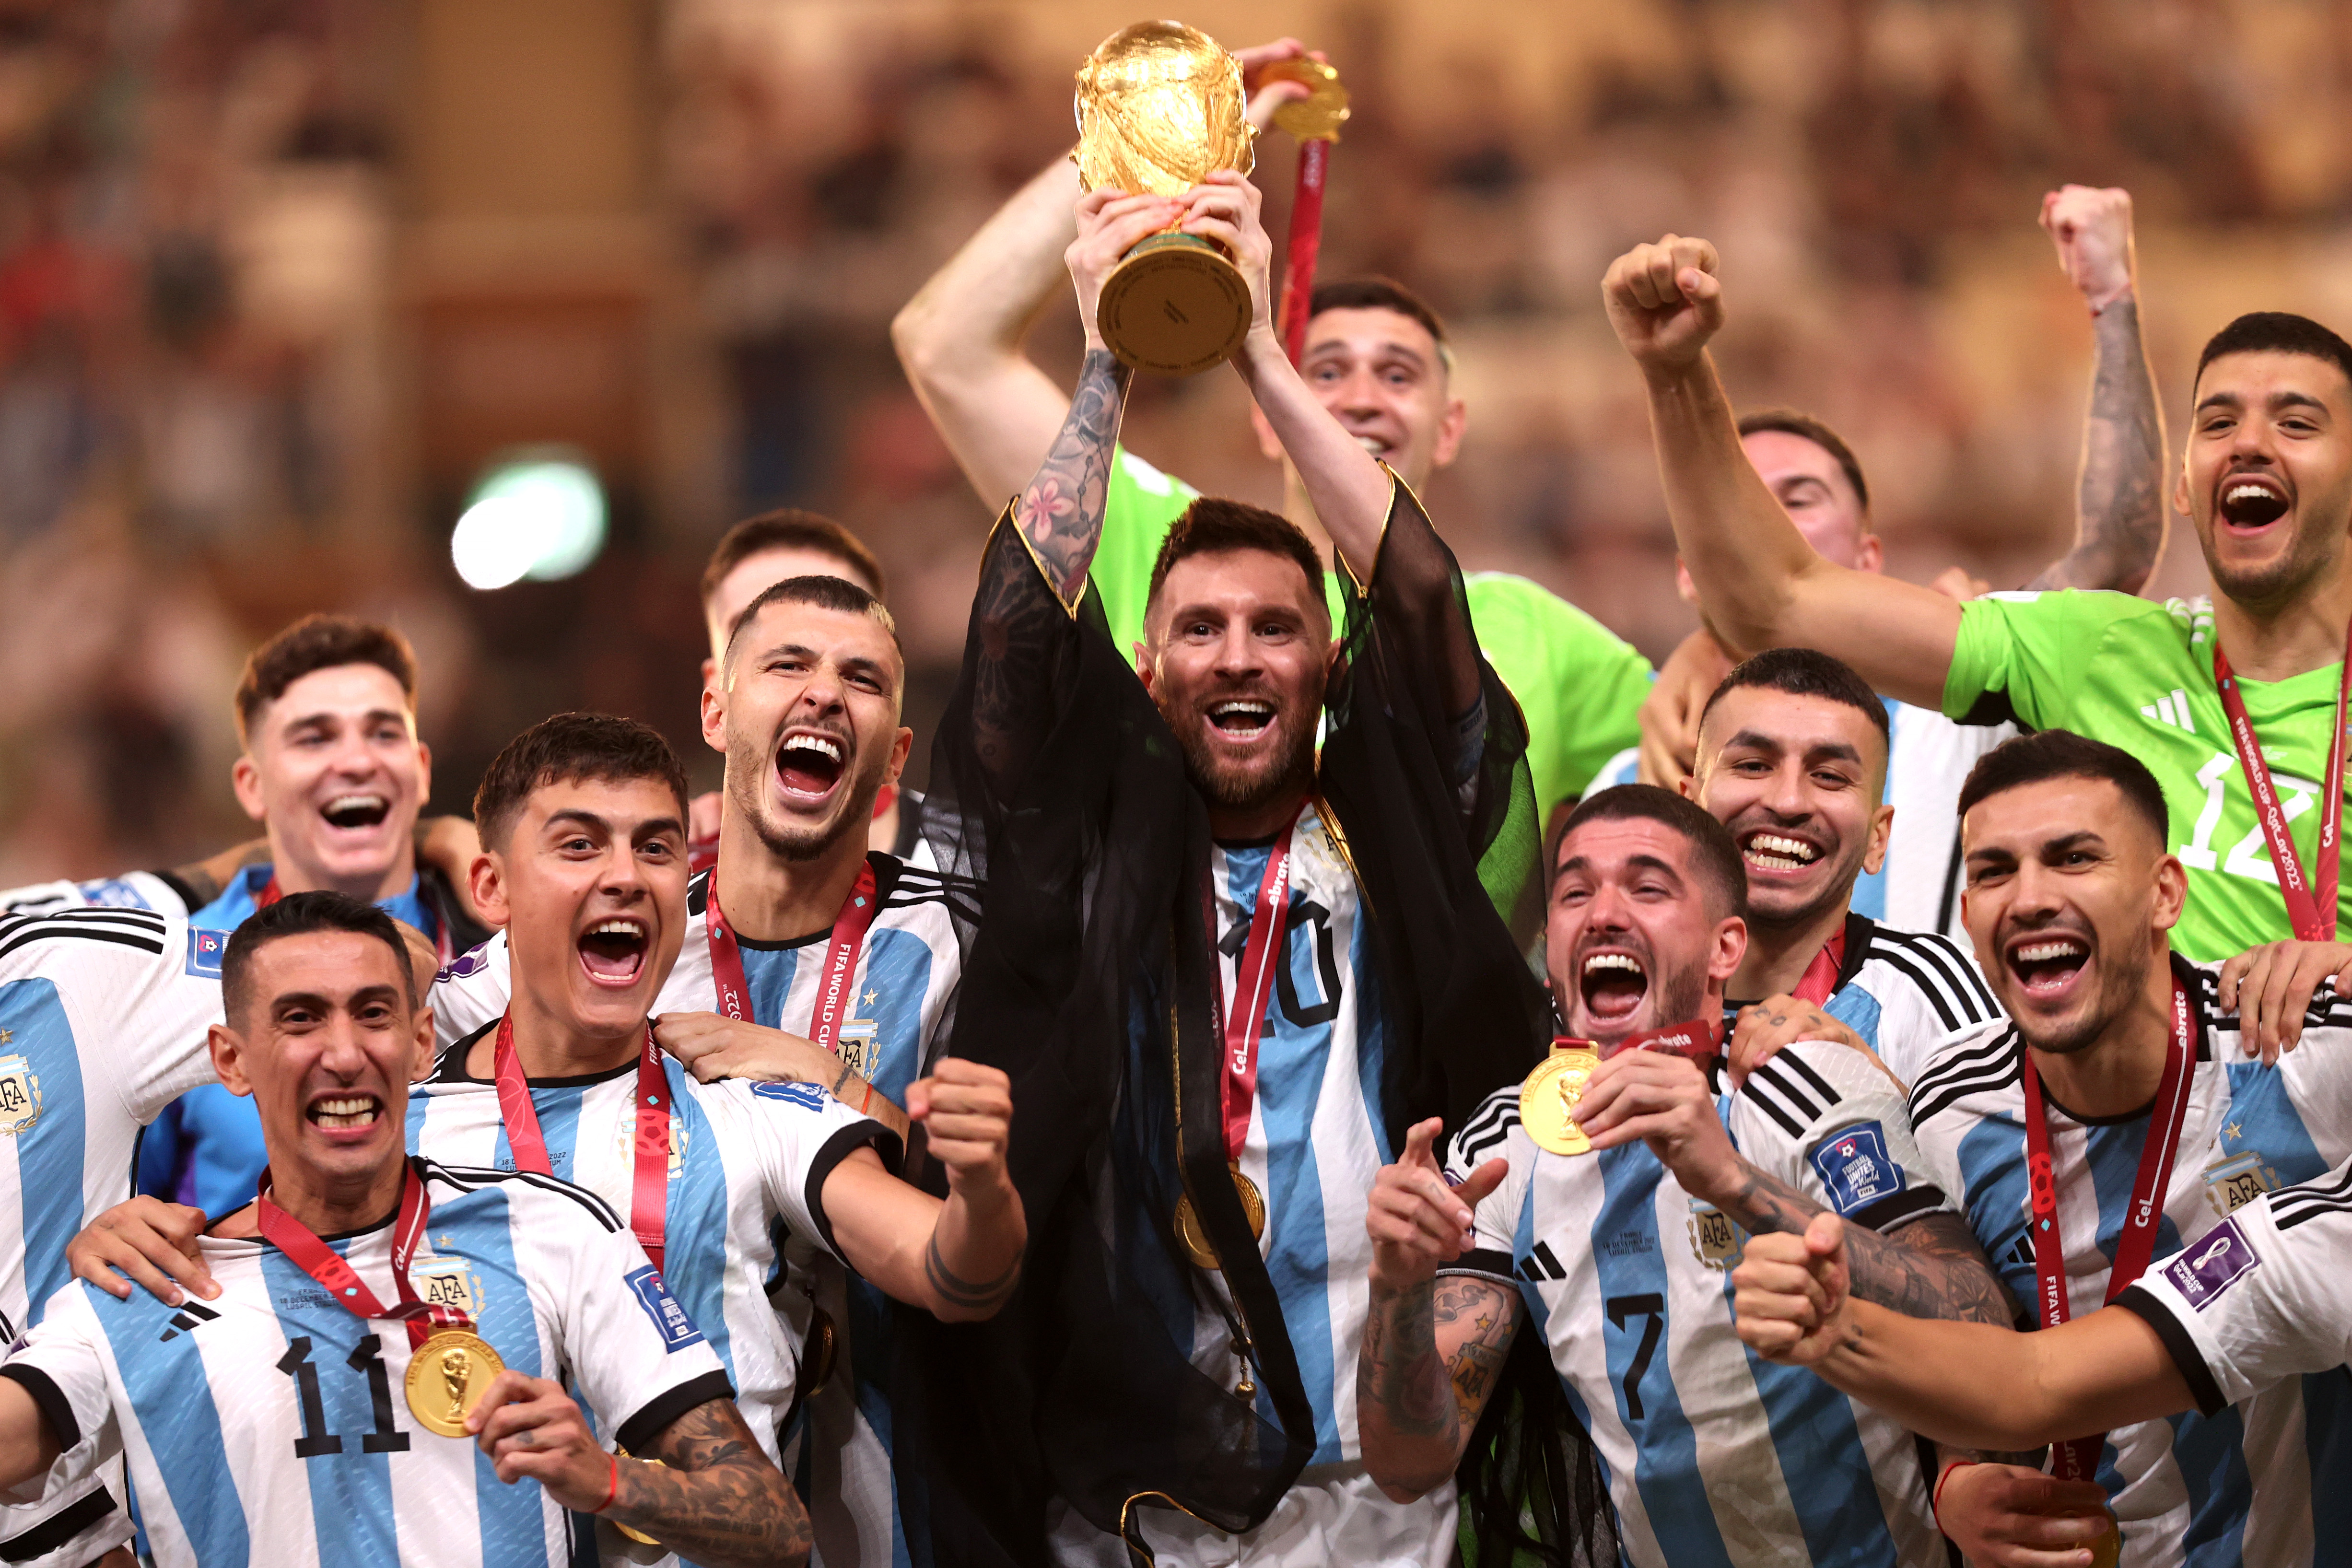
(1814, 1083)
(2320, 1198)
(102, 937)
(1490, 1130)
(1976, 1073)
(530, 1199)
(1624, 768)
(906, 887)
(1932, 965)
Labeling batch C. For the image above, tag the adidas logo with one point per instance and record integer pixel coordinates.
(185, 1320)
(1541, 1265)
(2172, 710)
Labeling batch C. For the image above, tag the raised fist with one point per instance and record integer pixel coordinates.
(1224, 207)
(1664, 301)
(2093, 231)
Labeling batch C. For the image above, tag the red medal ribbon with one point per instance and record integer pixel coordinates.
(1822, 973)
(1244, 1020)
(649, 1188)
(2078, 1458)
(324, 1263)
(1304, 245)
(443, 949)
(840, 959)
(1698, 1039)
(2310, 901)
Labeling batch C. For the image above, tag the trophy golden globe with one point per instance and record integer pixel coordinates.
(1159, 106)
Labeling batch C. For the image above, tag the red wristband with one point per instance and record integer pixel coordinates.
(1935, 1501)
(614, 1489)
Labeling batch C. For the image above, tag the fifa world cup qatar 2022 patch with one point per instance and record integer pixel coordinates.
(1854, 1167)
(2211, 1263)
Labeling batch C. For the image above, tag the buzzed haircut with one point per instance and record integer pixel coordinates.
(826, 594)
(299, 914)
(1212, 524)
(1380, 294)
(1792, 422)
(1804, 672)
(571, 748)
(789, 528)
(315, 643)
(1715, 859)
(2275, 331)
(2063, 754)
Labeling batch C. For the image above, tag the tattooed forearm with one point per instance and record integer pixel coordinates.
(1061, 513)
(1935, 1270)
(961, 1297)
(1407, 1381)
(1429, 1363)
(2120, 511)
(714, 1498)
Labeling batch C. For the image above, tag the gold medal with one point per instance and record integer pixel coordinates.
(1548, 1100)
(2109, 1548)
(1196, 1241)
(446, 1375)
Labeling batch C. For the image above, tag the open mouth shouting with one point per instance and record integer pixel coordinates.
(1768, 851)
(1611, 983)
(810, 765)
(357, 810)
(1242, 718)
(2046, 964)
(612, 951)
(344, 1111)
(2250, 501)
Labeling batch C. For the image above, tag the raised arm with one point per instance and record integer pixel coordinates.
(1758, 581)
(2120, 515)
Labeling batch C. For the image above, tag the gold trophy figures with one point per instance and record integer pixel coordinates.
(1160, 105)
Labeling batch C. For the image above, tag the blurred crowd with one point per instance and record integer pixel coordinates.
(204, 424)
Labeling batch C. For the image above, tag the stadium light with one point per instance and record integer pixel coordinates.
(536, 514)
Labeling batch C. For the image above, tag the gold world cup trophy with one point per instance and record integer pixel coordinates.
(1160, 105)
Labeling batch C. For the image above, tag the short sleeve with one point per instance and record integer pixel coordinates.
(471, 992)
(2022, 655)
(155, 1016)
(1140, 507)
(2260, 1297)
(1580, 685)
(803, 1134)
(1494, 1133)
(60, 1364)
(636, 1355)
(2318, 1072)
(1823, 1118)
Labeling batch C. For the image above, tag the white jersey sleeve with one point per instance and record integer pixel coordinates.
(131, 890)
(799, 1135)
(1827, 1121)
(471, 992)
(140, 992)
(2260, 1297)
(1494, 1132)
(62, 1365)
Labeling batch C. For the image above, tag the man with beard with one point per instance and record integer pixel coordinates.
(2233, 702)
(1608, 1206)
(2112, 1120)
(1792, 759)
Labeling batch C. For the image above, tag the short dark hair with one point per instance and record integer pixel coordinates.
(1804, 672)
(299, 914)
(315, 643)
(1714, 855)
(2063, 754)
(2275, 331)
(790, 528)
(1380, 294)
(567, 749)
(1794, 422)
(1213, 523)
(824, 593)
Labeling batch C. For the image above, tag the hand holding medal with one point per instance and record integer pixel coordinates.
(1552, 1097)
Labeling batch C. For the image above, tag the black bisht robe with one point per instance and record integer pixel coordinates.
(1090, 978)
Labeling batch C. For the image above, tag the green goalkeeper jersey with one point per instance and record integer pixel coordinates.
(2139, 675)
(1577, 683)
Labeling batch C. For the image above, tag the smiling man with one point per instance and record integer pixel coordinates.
(1792, 754)
(2232, 700)
(1605, 1200)
(265, 1417)
(2121, 1072)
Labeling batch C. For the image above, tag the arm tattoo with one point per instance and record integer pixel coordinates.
(1061, 513)
(715, 1498)
(1935, 1270)
(963, 1294)
(2120, 507)
(1399, 1374)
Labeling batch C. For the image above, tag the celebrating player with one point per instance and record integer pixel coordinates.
(2119, 533)
(2121, 1077)
(1376, 358)
(1792, 758)
(583, 823)
(265, 1415)
(1615, 1201)
(2234, 704)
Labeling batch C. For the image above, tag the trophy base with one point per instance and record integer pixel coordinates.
(1175, 306)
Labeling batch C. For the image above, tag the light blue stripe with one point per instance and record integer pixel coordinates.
(1823, 1464)
(897, 976)
(350, 1490)
(2211, 1455)
(478, 1227)
(1858, 1010)
(694, 1249)
(1539, 1323)
(768, 973)
(559, 1126)
(50, 1151)
(172, 1403)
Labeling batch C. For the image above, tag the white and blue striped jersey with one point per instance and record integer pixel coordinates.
(103, 1012)
(2247, 1482)
(903, 995)
(131, 890)
(1928, 756)
(2259, 1301)
(1904, 992)
(1712, 1454)
(268, 1424)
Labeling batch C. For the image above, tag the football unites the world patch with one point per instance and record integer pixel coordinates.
(677, 1329)
(204, 951)
(1854, 1167)
(808, 1096)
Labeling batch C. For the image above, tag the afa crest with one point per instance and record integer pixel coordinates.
(2231, 1184)
(448, 1282)
(1716, 1241)
(20, 1094)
